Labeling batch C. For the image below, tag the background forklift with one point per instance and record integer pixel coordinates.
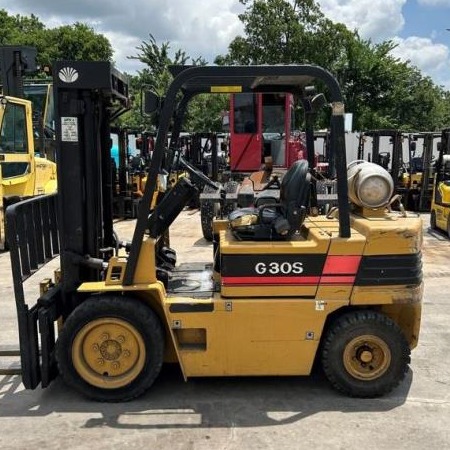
(40, 94)
(129, 171)
(262, 146)
(412, 173)
(391, 160)
(416, 184)
(22, 173)
(281, 289)
(440, 204)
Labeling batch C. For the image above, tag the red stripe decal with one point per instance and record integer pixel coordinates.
(271, 280)
(338, 280)
(336, 265)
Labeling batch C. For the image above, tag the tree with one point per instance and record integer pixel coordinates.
(204, 110)
(72, 42)
(78, 42)
(380, 90)
(280, 31)
(157, 60)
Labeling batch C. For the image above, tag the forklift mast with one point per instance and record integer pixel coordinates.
(395, 139)
(443, 149)
(15, 63)
(88, 96)
(426, 190)
(76, 222)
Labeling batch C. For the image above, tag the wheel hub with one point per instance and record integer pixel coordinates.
(110, 350)
(108, 353)
(367, 357)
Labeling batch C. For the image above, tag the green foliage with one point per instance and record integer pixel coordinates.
(78, 42)
(72, 42)
(204, 110)
(380, 90)
(280, 31)
(157, 59)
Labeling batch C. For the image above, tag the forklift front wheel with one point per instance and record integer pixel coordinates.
(111, 348)
(365, 354)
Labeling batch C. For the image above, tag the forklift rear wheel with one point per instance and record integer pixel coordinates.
(111, 348)
(365, 354)
(433, 220)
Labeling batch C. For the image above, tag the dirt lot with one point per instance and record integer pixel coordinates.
(242, 413)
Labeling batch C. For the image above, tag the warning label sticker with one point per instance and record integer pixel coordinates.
(69, 129)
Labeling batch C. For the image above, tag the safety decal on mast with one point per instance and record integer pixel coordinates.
(69, 129)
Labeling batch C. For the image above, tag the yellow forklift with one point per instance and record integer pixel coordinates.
(40, 94)
(282, 289)
(440, 202)
(23, 174)
(416, 183)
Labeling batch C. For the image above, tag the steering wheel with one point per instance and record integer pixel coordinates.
(197, 176)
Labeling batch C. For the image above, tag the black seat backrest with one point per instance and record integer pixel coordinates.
(275, 221)
(293, 185)
(294, 193)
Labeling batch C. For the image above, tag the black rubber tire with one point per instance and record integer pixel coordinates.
(433, 220)
(360, 323)
(208, 211)
(130, 310)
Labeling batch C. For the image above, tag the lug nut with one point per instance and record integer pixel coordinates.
(100, 361)
(121, 339)
(96, 348)
(104, 336)
(126, 353)
(115, 365)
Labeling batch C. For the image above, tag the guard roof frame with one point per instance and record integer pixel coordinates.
(194, 80)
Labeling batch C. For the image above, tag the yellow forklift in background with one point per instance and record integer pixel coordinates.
(22, 173)
(282, 289)
(40, 94)
(440, 203)
(416, 183)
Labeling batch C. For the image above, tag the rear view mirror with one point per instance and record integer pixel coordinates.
(151, 102)
(318, 102)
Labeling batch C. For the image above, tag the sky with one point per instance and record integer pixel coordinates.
(206, 27)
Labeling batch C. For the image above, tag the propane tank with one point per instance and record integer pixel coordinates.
(369, 185)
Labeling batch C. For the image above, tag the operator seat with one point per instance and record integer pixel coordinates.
(276, 221)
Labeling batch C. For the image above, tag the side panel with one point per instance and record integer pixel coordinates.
(252, 337)
(45, 176)
(270, 269)
(442, 214)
